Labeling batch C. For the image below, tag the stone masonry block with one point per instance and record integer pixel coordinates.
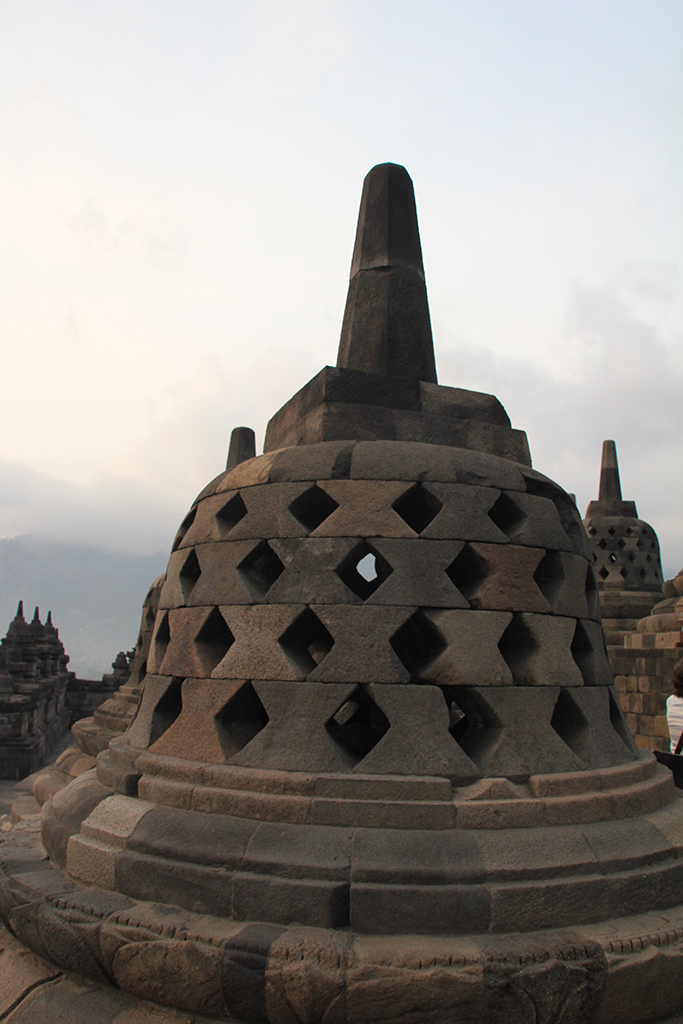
(374, 460)
(184, 655)
(267, 512)
(195, 734)
(464, 514)
(362, 652)
(330, 460)
(217, 582)
(256, 652)
(509, 583)
(510, 734)
(140, 731)
(597, 742)
(204, 528)
(418, 741)
(570, 597)
(471, 656)
(541, 526)
(419, 573)
(309, 575)
(365, 509)
(598, 672)
(540, 654)
(295, 738)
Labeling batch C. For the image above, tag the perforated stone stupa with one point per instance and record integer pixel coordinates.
(379, 771)
(626, 552)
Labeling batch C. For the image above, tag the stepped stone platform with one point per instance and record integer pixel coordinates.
(379, 771)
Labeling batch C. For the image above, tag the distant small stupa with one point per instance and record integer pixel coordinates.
(626, 551)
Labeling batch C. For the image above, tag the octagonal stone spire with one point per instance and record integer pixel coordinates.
(386, 328)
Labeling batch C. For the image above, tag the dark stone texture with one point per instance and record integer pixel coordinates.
(386, 328)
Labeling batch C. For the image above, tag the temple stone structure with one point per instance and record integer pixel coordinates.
(93, 734)
(33, 684)
(629, 577)
(379, 771)
(643, 666)
(626, 550)
(84, 696)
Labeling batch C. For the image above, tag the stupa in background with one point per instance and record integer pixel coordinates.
(33, 684)
(626, 550)
(379, 771)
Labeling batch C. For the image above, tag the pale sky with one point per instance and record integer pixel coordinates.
(179, 192)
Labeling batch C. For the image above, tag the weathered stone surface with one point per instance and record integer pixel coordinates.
(378, 771)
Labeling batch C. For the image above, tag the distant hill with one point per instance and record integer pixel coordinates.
(95, 595)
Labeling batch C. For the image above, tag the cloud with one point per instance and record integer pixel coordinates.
(619, 376)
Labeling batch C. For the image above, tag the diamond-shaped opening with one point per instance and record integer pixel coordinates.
(642, 574)
(230, 515)
(417, 642)
(648, 558)
(592, 531)
(262, 567)
(213, 641)
(623, 572)
(570, 724)
(506, 515)
(644, 531)
(184, 527)
(602, 543)
(167, 710)
(162, 639)
(472, 723)
(639, 544)
(363, 570)
(618, 721)
(306, 642)
(582, 653)
(621, 542)
(242, 718)
(653, 545)
(417, 507)
(591, 592)
(612, 557)
(549, 576)
(603, 573)
(189, 574)
(357, 726)
(628, 531)
(611, 531)
(517, 645)
(467, 572)
(631, 557)
(313, 507)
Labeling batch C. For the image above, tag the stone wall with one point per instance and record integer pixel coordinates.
(641, 676)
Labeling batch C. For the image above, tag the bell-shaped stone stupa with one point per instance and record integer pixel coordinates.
(626, 550)
(379, 771)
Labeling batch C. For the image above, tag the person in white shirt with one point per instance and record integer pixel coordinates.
(674, 707)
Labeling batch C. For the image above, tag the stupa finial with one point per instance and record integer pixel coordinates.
(20, 611)
(386, 328)
(610, 486)
(242, 446)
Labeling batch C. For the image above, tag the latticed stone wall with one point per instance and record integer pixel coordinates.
(626, 552)
(479, 630)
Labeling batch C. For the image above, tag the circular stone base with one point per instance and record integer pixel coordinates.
(622, 971)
